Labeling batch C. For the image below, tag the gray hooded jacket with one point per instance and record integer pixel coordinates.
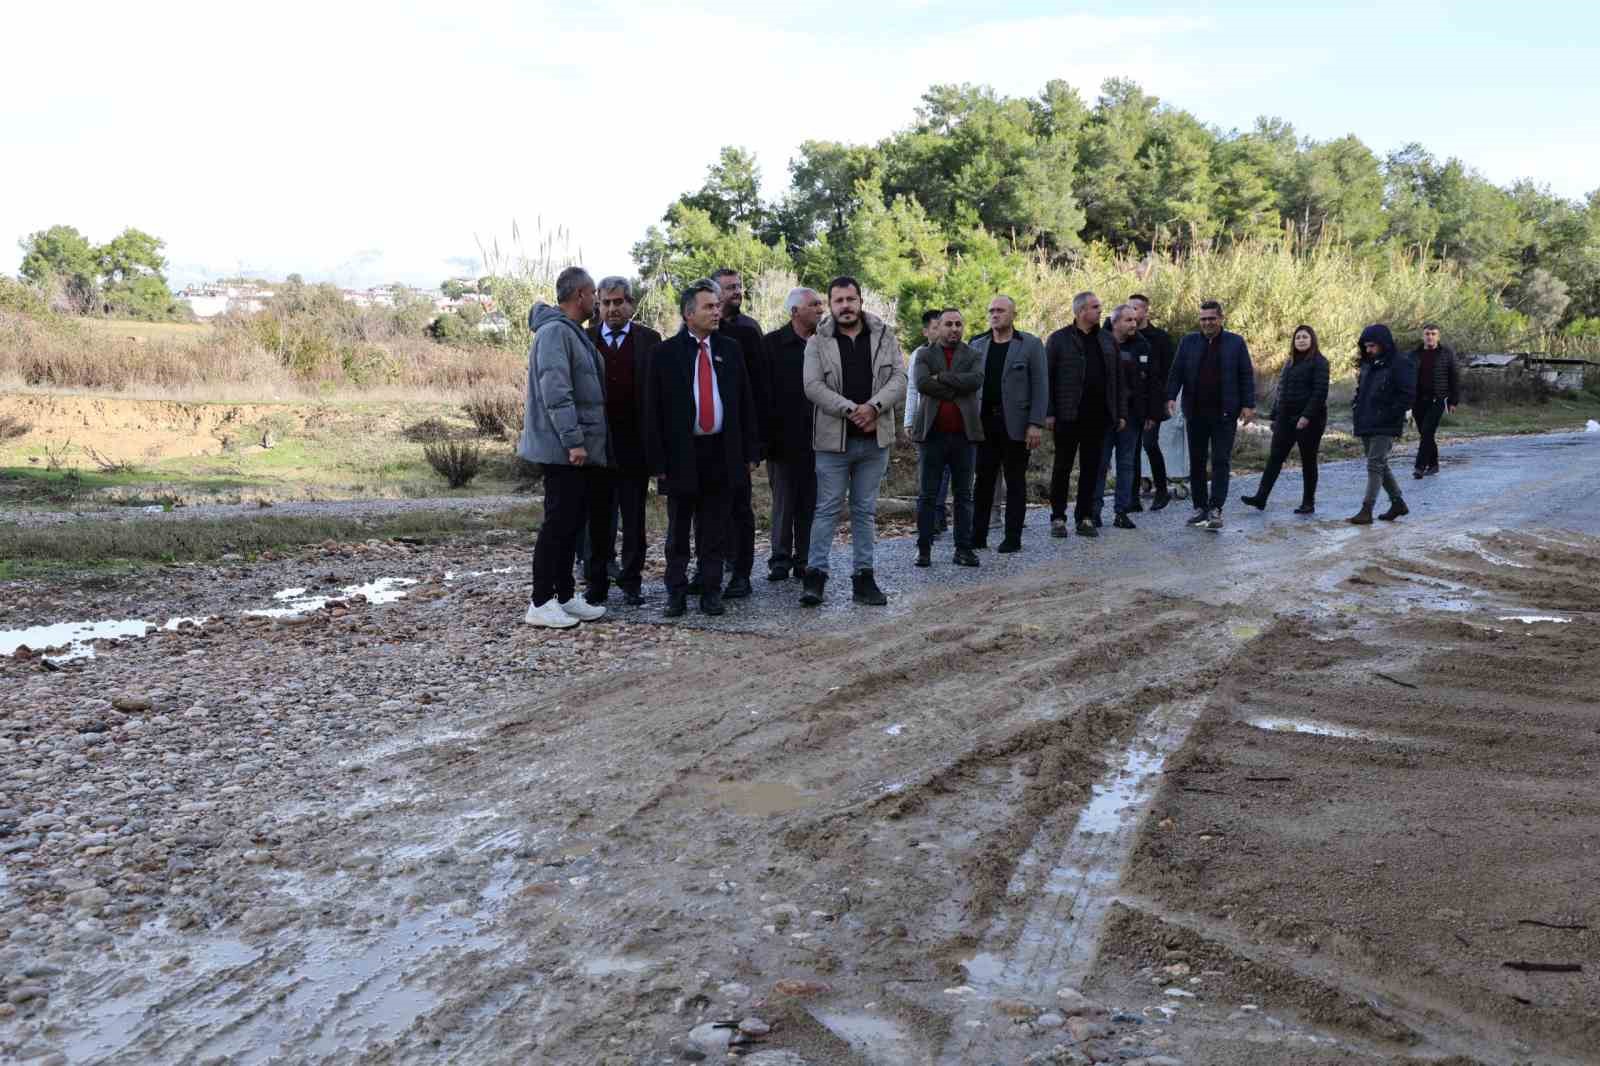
(566, 393)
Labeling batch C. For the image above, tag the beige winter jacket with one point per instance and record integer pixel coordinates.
(824, 377)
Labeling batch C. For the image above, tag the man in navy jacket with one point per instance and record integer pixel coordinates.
(1212, 369)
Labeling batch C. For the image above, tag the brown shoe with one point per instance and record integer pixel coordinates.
(1362, 517)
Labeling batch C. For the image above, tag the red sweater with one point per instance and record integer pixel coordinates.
(949, 420)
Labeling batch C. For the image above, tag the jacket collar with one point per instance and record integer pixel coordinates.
(874, 325)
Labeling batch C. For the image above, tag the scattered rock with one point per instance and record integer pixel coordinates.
(753, 1026)
(800, 988)
(709, 1036)
(1050, 1020)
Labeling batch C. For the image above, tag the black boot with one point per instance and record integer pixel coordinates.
(1163, 497)
(815, 581)
(677, 603)
(1397, 507)
(924, 555)
(711, 601)
(863, 589)
(738, 588)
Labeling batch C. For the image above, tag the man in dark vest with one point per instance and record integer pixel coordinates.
(700, 436)
(626, 345)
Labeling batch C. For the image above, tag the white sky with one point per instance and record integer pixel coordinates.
(364, 142)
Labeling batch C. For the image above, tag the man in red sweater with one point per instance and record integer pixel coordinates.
(947, 374)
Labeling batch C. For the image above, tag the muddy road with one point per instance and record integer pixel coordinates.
(1294, 792)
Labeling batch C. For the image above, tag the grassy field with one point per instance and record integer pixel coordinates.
(191, 333)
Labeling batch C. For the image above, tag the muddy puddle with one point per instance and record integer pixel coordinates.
(755, 799)
(1306, 725)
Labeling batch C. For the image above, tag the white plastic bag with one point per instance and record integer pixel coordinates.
(1174, 438)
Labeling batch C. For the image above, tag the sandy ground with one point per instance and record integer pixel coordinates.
(1296, 792)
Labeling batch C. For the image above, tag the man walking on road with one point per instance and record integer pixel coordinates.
(1153, 369)
(1386, 388)
(1014, 402)
(1213, 371)
(747, 331)
(700, 436)
(1438, 393)
(564, 431)
(930, 338)
(1122, 437)
(948, 374)
(854, 374)
(626, 346)
(1084, 400)
(791, 465)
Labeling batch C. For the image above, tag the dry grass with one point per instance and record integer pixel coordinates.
(457, 461)
(12, 427)
(497, 412)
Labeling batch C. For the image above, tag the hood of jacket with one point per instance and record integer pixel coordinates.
(541, 314)
(1378, 334)
(874, 324)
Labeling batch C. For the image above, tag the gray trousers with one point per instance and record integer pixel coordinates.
(1376, 448)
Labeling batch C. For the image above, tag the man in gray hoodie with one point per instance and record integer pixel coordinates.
(564, 430)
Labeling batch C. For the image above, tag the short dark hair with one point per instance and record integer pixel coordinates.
(1426, 326)
(691, 291)
(570, 281)
(843, 281)
(1212, 305)
(949, 310)
(723, 272)
(933, 314)
(1139, 296)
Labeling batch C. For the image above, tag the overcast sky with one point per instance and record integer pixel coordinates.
(366, 142)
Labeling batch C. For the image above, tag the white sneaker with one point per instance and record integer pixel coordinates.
(549, 615)
(583, 610)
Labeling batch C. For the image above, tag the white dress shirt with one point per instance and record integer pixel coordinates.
(614, 338)
(716, 393)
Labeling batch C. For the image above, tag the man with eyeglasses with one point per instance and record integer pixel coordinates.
(1212, 370)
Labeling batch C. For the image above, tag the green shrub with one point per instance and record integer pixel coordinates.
(457, 461)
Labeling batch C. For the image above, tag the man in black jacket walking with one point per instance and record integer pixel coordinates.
(1212, 369)
(791, 464)
(1438, 393)
(1153, 370)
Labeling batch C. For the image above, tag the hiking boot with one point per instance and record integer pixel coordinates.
(677, 604)
(924, 555)
(1397, 507)
(1163, 497)
(1258, 502)
(711, 602)
(738, 589)
(815, 581)
(1306, 508)
(1058, 527)
(1198, 519)
(863, 589)
(1122, 521)
(965, 557)
(1086, 528)
(1008, 546)
(1213, 521)
(1362, 517)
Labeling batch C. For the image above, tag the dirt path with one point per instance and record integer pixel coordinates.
(1038, 818)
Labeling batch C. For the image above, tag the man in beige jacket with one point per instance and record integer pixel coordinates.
(854, 375)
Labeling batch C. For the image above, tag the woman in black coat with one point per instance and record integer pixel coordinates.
(1299, 416)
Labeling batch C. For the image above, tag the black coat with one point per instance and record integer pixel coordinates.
(747, 332)
(1302, 391)
(1159, 367)
(1386, 388)
(1446, 383)
(1066, 353)
(789, 433)
(627, 441)
(669, 412)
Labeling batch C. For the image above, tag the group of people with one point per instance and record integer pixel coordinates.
(612, 405)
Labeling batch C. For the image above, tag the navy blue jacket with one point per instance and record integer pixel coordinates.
(1386, 387)
(1238, 374)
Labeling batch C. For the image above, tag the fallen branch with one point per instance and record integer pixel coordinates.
(1551, 925)
(1396, 681)
(1269, 779)
(1544, 967)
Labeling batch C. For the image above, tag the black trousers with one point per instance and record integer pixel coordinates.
(632, 489)
(998, 451)
(739, 539)
(704, 519)
(1083, 441)
(1428, 412)
(1286, 437)
(572, 493)
(1158, 461)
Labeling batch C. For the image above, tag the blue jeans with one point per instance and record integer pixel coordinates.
(1126, 443)
(944, 455)
(859, 470)
(1210, 435)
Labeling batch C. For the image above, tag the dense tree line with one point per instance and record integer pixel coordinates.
(125, 277)
(978, 177)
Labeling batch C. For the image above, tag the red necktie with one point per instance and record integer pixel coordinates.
(708, 413)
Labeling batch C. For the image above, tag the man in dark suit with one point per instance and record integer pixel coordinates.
(1212, 370)
(626, 345)
(741, 327)
(701, 436)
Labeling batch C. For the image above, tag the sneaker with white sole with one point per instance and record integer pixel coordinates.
(583, 610)
(549, 615)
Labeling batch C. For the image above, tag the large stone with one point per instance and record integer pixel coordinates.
(710, 1037)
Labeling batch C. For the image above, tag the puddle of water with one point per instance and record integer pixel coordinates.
(457, 575)
(77, 637)
(1321, 729)
(880, 1040)
(297, 601)
(1468, 543)
(1060, 930)
(609, 965)
(1531, 619)
(758, 799)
